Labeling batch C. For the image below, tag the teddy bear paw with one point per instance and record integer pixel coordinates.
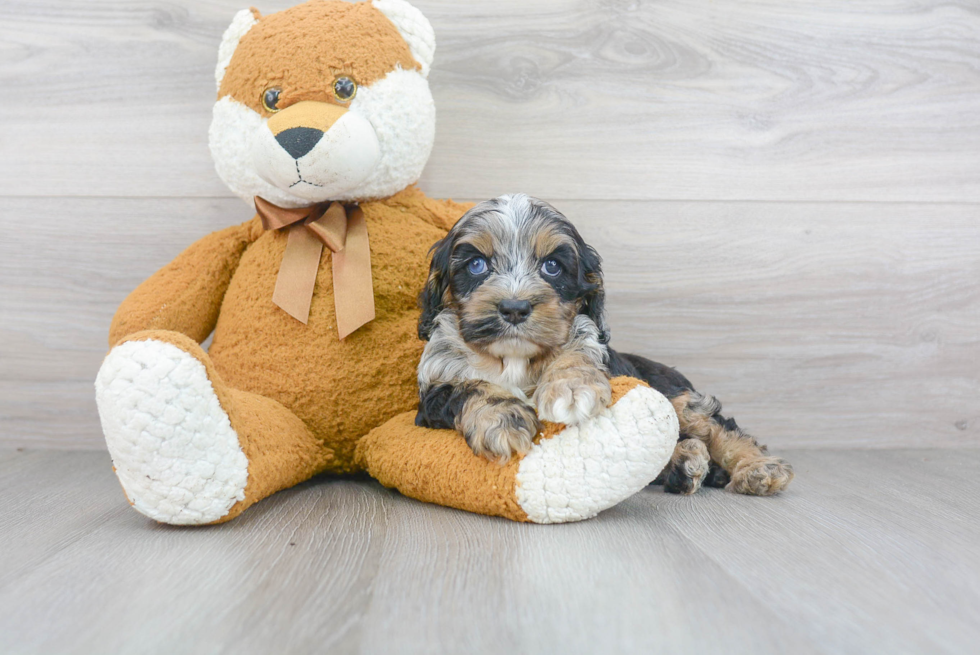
(172, 445)
(600, 462)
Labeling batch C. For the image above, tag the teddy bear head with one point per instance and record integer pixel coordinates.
(327, 100)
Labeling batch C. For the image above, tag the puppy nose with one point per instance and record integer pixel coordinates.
(298, 141)
(514, 311)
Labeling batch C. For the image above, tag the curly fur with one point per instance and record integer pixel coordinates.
(483, 362)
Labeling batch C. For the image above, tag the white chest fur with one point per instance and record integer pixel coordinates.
(511, 373)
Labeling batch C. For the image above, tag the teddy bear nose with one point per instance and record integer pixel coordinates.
(514, 311)
(298, 141)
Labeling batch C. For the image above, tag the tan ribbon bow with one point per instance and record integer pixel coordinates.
(342, 230)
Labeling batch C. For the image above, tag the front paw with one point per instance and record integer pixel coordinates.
(495, 428)
(573, 397)
(763, 476)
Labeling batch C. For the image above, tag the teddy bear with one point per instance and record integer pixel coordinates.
(324, 121)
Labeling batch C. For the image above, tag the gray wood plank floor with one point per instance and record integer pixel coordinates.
(867, 552)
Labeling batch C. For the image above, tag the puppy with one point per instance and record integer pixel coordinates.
(513, 315)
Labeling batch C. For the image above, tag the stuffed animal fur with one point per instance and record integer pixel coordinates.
(327, 101)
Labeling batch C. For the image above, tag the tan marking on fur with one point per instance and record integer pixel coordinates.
(547, 240)
(547, 326)
(550, 321)
(552, 317)
(751, 469)
(480, 305)
(727, 450)
(555, 354)
(482, 241)
(499, 231)
(296, 50)
(730, 451)
(761, 476)
(497, 425)
(693, 423)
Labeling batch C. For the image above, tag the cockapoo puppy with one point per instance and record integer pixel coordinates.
(513, 314)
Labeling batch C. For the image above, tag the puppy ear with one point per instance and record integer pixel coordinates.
(594, 300)
(431, 299)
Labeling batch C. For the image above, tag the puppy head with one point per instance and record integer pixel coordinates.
(515, 272)
(327, 100)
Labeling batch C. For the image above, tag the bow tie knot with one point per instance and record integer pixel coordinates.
(344, 232)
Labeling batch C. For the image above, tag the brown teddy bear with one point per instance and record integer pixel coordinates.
(323, 121)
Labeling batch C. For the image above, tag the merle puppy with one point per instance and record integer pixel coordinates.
(513, 315)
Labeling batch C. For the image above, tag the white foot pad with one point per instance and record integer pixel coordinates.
(592, 466)
(172, 445)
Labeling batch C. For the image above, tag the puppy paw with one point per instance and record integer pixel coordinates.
(717, 476)
(499, 428)
(573, 396)
(688, 467)
(763, 476)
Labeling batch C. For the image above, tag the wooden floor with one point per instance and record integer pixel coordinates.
(868, 552)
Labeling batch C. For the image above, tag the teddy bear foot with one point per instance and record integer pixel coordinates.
(571, 473)
(587, 468)
(172, 445)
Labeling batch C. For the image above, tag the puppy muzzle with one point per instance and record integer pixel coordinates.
(514, 311)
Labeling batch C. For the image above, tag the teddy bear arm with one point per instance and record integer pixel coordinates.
(185, 295)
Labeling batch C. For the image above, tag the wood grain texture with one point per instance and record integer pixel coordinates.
(821, 319)
(64, 272)
(50, 503)
(817, 324)
(566, 99)
(868, 551)
(830, 323)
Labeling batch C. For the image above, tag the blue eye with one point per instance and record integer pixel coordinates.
(477, 266)
(551, 268)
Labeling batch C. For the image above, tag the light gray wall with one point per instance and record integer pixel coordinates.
(787, 195)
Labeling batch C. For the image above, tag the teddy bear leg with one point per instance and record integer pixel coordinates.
(187, 449)
(570, 474)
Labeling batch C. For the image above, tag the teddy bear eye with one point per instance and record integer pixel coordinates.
(344, 88)
(270, 99)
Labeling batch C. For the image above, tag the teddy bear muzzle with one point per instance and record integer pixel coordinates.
(316, 150)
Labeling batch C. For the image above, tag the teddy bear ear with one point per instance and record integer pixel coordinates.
(414, 28)
(240, 24)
